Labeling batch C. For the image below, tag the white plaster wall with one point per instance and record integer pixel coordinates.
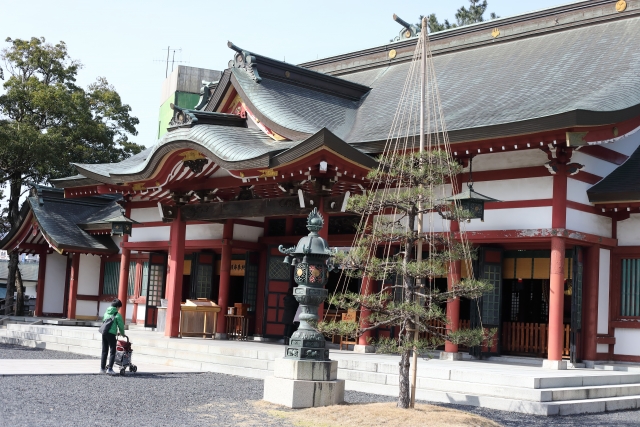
(577, 191)
(515, 189)
(629, 231)
(204, 231)
(602, 348)
(508, 160)
(150, 234)
(141, 311)
(89, 275)
(513, 219)
(129, 311)
(146, 214)
(246, 233)
(627, 144)
(102, 308)
(54, 278)
(588, 223)
(627, 342)
(86, 308)
(592, 164)
(603, 291)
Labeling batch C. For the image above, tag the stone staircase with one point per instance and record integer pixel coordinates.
(511, 387)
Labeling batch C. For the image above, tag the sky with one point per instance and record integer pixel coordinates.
(126, 41)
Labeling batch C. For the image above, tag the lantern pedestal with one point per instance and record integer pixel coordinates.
(304, 384)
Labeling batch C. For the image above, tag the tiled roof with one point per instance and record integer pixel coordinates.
(297, 108)
(29, 271)
(58, 217)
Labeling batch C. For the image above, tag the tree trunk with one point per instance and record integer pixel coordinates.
(11, 280)
(20, 293)
(404, 396)
(14, 219)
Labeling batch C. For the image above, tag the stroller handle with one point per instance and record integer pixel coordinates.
(124, 336)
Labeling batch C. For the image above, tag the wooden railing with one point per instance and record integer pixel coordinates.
(437, 323)
(529, 338)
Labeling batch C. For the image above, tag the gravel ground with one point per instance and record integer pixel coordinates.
(186, 399)
(9, 351)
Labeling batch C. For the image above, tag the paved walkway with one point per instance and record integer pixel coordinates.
(10, 367)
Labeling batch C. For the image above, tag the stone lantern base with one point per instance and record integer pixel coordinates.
(304, 384)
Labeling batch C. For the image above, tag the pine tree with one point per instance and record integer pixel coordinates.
(464, 16)
(413, 178)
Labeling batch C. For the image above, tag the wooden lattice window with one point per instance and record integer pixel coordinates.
(491, 300)
(111, 278)
(630, 288)
(131, 288)
(156, 279)
(145, 278)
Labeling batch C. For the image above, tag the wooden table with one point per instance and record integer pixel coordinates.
(237, 327)
(194, 313)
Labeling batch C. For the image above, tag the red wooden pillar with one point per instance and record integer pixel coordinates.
(42, 269)
(73, 286)
(453, 277)
(556, 278)
(175, 267)
(123, 283)
(225, 278)
(365, 289)
(453, 306)
(590, 302)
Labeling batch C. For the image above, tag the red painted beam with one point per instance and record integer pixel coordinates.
(604, 153)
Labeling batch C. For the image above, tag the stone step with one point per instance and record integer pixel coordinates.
(214, 355)
(510, 404)
(246, 359)
(355, 369)
(620, 367)
(378, 372)
(214, 363)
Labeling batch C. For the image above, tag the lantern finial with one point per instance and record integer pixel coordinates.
(315, 221)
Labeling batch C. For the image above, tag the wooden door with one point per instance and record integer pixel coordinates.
(279, 276)
(156, 282)
(202, 275)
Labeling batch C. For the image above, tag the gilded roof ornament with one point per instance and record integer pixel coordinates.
(621, 6)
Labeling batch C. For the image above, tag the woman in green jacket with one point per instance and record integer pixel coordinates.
(109, 337)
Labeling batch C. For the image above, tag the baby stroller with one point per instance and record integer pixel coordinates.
(123, 356)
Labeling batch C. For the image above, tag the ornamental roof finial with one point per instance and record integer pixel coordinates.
(315, 221)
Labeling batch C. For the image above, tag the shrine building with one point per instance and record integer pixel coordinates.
(545, 104)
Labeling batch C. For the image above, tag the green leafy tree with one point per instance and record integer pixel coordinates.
(411, 301)
(464, 16)
(47, 121)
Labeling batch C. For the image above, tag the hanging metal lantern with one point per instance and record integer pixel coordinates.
(469, 200)
(311, 275)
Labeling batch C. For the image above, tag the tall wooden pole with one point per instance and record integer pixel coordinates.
(416, 329)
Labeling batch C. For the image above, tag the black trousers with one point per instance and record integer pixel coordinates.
(108, 346)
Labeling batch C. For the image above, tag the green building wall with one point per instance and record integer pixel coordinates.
(182, 100)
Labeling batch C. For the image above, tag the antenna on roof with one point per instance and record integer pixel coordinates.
(171, 53)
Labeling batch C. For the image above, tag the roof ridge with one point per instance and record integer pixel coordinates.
(528, 24)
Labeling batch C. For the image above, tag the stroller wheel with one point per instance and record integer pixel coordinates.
(133, 368)
(122, 371)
